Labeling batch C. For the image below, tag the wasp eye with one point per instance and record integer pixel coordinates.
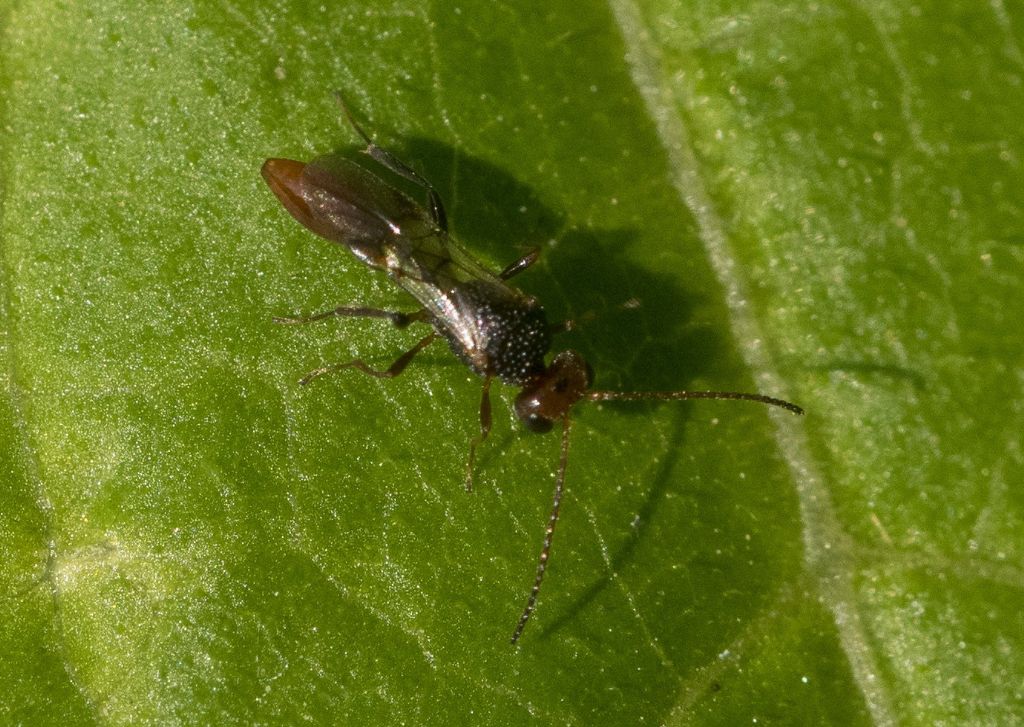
(537, 424)
(529, 407)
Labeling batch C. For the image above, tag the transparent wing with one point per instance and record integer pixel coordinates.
(451, 285)
(359, 209)
(345, 203)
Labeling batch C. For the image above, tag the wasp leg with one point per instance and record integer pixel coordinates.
(391, 372)
(485, 429)
(396, 165)
(399, 319)
(520, 265)
(389, 160)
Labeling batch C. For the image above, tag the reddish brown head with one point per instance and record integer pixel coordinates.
(552, 393)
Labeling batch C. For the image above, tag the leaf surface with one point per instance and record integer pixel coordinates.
(813, 201)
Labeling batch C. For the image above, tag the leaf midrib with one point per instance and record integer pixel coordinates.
(828, 550)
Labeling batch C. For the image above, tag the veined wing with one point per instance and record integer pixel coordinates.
(345, 203)
(462, 295)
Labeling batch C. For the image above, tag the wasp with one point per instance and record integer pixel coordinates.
(493, 328)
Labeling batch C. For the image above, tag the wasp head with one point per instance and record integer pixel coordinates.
(550, 395)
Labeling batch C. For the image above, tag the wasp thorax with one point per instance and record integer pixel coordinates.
(510, 334)
(550, 395)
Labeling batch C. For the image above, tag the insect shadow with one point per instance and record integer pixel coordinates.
(588, 275)
(591, 274)
(656, 490)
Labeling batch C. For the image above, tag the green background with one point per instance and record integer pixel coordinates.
(812, 200)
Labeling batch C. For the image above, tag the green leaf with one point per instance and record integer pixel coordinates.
(813, 201)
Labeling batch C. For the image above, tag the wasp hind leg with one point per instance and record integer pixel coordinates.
(485, 429)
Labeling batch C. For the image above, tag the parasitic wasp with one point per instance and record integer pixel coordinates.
(496, 330)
